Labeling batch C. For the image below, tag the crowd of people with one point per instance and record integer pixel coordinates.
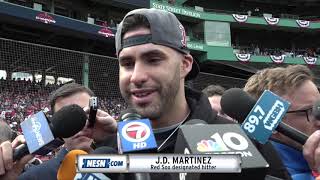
(21, 98)
(259, 51)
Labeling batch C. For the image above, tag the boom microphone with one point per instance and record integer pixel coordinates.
(43, 136)
(238, 104)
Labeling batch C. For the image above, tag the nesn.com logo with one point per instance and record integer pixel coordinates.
(100, 163)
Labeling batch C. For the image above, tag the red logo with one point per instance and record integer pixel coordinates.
(106, 32)
(135, 132)
(183, 33)
(45, 18)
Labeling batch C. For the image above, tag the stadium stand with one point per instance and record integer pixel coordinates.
(44, 44)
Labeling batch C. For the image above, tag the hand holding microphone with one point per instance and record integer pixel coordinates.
(41, 137)
(103, 126)
(9, 169)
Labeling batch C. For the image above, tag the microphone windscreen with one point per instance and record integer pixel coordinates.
(68, 121)
(237, 104)
(67, 169)
(129, 114)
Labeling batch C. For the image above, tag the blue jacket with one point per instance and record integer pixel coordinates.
(294, 161)
(47, 170)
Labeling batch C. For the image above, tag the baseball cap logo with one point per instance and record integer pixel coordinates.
(183, 33)
(135, 132)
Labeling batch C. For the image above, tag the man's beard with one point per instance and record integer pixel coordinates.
(165, 101)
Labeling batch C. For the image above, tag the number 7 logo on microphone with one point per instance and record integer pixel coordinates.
(136, 135)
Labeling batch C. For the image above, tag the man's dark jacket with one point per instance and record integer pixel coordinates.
(47, 170)
(201, 109)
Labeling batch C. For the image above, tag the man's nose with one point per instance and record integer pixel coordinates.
(139, 75)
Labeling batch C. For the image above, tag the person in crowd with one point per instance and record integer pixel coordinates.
(19, 100)
(6, 134)
(214, 93)
(294, 83)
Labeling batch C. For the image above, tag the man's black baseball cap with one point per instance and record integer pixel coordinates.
(165, 29)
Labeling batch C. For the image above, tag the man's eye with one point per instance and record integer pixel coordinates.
(154, 60)
(127, 64)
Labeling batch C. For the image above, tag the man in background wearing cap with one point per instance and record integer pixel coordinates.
(214, 93)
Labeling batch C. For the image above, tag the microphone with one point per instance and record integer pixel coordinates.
(98, 176)
(93, 104)
(129, 114)
(135, 134)
(237, 104)
(316, 110)
(220, 139)
(43, 136)
(67, 169)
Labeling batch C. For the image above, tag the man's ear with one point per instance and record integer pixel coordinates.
(186, 65)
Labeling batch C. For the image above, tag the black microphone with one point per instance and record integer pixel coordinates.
(198, 137)
(237, 104)
(129, 114)
(42, 136)
(316, 110)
